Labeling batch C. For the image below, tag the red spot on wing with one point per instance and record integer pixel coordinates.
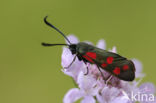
(103, 65)
(116, 70)
(91, 55)
(125, 67)
(110, 60)
(88, 58)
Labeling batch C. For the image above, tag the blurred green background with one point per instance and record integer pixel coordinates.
(30, 73)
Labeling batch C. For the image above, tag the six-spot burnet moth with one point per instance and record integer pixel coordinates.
(113, 63)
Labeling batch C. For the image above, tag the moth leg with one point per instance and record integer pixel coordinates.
(71, 63)
(87, 69)
(81, 58)
(101, 73)
(109, 78)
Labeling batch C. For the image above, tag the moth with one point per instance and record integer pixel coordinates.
(113, 63)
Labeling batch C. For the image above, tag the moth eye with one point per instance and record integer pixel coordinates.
(110, 60)
(116, 70)
(125, 67)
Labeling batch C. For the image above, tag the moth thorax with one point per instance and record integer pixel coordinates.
(72, 48)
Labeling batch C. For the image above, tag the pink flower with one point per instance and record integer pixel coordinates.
(92, 88)
(88, 88)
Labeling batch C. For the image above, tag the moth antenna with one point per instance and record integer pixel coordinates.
(45, 20)
(47, 44)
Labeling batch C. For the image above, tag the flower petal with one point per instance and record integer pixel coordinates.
(120, 99)
(73, 39)
(88, 42)
(67, 57)
(113, 49)
(72, 95)
(88, 99)
(75, 68)
(129, 87)
(138, 66)
(86, 82)
(101, 44)
(108, 94)
(147, 88)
